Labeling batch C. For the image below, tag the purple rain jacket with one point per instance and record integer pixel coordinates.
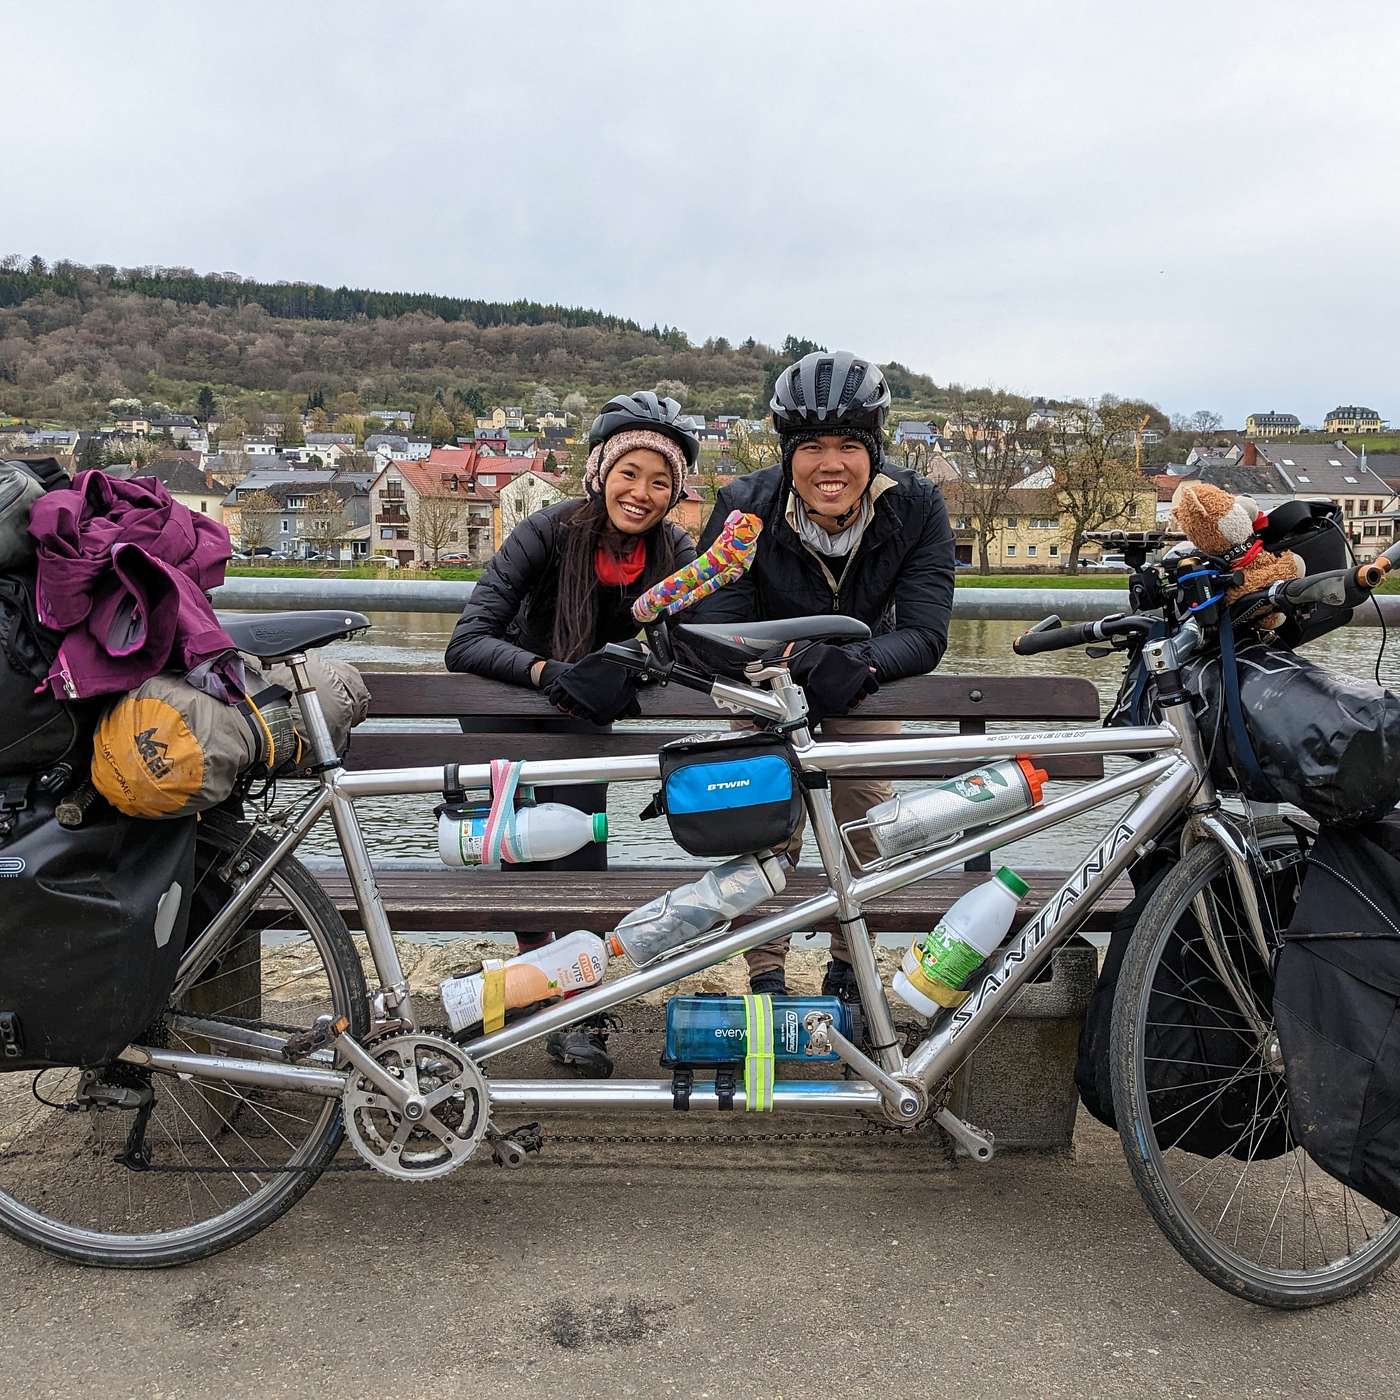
(122, 574)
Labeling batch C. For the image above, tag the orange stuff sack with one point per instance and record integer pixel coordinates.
(167, 750)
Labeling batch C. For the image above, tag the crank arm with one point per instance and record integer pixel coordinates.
(399, 1094)
(904, 1103)
(978, 1143)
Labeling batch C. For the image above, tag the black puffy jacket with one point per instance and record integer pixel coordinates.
(899, 580)
(508, 622)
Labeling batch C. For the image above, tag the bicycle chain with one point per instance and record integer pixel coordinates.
(565, 1139)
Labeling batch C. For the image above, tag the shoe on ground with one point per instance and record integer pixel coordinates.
(583, 1047)
(769, 984)
(840, 981)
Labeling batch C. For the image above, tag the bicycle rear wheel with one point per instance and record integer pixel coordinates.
(225, 1160)
(1246, 1207)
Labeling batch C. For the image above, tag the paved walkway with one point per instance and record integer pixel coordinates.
(638, 1271)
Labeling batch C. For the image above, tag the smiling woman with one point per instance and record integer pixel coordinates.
(562, 586)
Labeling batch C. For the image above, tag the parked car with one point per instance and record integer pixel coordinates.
(456, 561)
(384, 561)
(1105, 564)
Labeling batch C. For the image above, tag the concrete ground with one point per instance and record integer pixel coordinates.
(844, 1268)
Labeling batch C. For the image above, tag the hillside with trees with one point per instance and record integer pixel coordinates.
(73, 338)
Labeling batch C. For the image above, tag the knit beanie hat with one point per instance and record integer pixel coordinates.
(605, 455)
(870, 441)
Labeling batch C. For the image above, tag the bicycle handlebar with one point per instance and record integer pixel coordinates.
(1052, 635)
(1338, 587)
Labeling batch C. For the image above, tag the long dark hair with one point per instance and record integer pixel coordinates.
(576, 607)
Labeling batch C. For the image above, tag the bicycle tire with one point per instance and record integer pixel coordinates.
(220, 834)
(1165, 1177)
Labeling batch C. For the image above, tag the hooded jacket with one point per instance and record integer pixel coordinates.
(123, 574)
(508, 622)
(898, 580)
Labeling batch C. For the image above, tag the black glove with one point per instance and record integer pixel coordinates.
(835, 680)
(596, 689)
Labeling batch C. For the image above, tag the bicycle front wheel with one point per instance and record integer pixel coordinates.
(213, 1162)
(1201, 1102)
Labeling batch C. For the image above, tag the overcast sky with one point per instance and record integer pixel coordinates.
(1196, 202)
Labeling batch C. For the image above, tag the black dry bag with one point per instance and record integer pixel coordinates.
(92, 925)
(1337, 1010)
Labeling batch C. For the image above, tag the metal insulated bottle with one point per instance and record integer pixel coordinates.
(683, 915)
(918, 821)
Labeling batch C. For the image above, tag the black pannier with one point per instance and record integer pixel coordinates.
(1194, 1044)
(92, 926)
(1337, 1010)
(729, 794)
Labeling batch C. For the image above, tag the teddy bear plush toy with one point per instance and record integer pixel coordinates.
(1227, 526)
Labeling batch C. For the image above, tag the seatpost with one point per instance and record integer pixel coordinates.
(313, 720)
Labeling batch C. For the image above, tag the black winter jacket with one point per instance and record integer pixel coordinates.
(508, 622)
(899, 580)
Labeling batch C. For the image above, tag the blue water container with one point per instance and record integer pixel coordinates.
(713, 1030)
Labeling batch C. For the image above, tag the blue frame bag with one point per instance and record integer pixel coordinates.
(729, 794)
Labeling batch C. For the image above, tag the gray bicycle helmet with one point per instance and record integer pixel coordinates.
(830, 389)
(625, 412)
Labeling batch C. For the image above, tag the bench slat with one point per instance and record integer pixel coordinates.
(379, 750)
(432, 694)
(448, 900)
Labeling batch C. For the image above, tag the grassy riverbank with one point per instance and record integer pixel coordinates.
(443, 574)
(1118, 581)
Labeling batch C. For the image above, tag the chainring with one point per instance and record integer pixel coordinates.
(455, 1113)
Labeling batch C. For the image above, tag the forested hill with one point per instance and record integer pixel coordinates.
(73, 337)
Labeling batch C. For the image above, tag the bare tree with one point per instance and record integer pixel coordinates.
(575, 405)
(752, 451)
(1204, 421)
(1096, 481)
(435, 522)
(257, 515)
(676, 389)
(326, 523)
(991, 453)
(916, 455)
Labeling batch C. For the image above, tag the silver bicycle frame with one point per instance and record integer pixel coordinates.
(1164, 785)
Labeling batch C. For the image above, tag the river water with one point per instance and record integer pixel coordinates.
(404, 826)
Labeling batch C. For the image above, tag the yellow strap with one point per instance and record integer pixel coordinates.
(758, 1059)
(493, 995)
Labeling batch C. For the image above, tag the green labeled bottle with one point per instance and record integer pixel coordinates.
(937, 968)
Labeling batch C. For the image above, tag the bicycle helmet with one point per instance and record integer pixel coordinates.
(831, 390)
(627, 412)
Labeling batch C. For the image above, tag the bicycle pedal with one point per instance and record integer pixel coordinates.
(324, 1030)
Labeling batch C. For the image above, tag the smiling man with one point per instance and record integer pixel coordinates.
(844, 532)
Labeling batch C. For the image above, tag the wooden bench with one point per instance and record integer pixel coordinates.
(525, 726)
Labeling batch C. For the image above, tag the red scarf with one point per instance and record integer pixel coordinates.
(621, 569)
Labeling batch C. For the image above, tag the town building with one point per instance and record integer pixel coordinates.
(1333, 472)
(1271, 424)
(1350, 420)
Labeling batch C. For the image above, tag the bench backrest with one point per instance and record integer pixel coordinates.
(520, 721)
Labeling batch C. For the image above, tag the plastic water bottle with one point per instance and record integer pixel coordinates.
(714, 1030)
(936, 968)
(545, 832)
(579, 960)
(681, 916)
(933, 816)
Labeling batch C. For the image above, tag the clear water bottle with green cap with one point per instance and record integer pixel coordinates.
(543, 832)
(936, 969)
